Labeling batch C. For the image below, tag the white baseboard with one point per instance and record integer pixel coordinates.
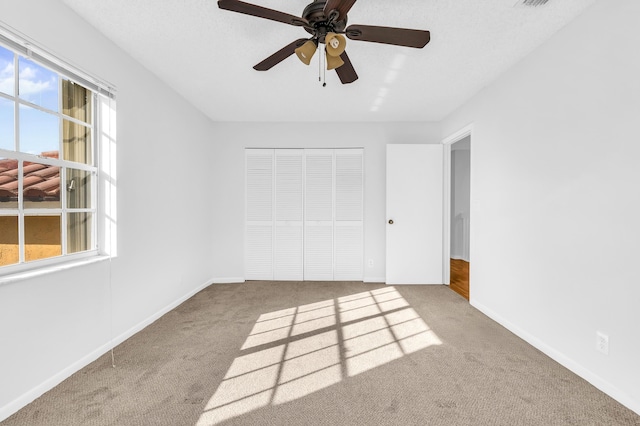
(29, 396)
(59, 377)
(141, 325)
(374, 279)
(228, 280)
(597, 381)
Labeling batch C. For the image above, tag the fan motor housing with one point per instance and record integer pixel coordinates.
(320, 23)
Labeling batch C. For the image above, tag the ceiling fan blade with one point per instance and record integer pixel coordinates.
(346, 72)
(261, 12)
(279, 56)
(342, 6)
(389, 35)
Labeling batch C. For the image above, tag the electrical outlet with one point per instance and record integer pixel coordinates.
(370, 263)
(602, 343)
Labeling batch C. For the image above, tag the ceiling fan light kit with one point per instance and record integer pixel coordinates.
(306, 51)
(334, 62)
(335, 44)
(326, 21)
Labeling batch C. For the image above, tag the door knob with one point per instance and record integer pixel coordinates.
(390, 221)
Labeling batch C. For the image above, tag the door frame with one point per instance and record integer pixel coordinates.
(446, 228)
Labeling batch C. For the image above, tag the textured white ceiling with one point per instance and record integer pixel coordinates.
(207, 55)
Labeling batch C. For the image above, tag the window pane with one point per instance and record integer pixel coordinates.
(41, 186)
(7, 133)
(78, 187)
(7, 73)
(8, 183)
(42, 238)
(38, 85)
(9, 240)
(39, 131)
(76, 142)
(79, 232)
(76, 101)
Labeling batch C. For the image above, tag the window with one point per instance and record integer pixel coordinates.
(48, 166)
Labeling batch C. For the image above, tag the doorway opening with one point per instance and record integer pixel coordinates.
(458, 211)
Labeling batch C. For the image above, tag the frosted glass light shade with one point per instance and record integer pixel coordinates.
(336, 44)
(306, 52)
(334, 62)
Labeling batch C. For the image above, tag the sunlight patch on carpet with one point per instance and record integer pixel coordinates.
(294, 352)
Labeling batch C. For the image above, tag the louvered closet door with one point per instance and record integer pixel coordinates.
(259, 214)
(348, 226)
(318, 238)
(288, 247)
(304, 214)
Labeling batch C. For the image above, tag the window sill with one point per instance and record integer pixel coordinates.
(45, 270)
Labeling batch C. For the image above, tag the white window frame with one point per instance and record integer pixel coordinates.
(102, 94)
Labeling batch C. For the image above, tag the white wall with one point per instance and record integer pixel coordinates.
(555, 198)
(229, 168)
(460, 200)
(53, 324)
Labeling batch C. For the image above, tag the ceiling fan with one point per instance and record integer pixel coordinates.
(326, 21)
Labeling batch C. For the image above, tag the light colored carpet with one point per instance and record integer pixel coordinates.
(324, 353)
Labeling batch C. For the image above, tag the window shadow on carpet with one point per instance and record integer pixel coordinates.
(295, 352)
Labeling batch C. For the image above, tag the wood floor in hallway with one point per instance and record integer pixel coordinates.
(460, 277)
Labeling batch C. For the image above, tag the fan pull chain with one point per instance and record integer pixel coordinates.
(324, 76)
(324, 68)
(320, 65)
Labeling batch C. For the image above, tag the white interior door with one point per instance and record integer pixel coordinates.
(414, 214)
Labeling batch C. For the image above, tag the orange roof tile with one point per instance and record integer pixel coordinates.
(42, 189)
(40, 181)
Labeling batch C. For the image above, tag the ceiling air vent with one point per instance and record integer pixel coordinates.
(531, 3)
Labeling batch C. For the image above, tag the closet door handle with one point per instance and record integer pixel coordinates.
(390, 221)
